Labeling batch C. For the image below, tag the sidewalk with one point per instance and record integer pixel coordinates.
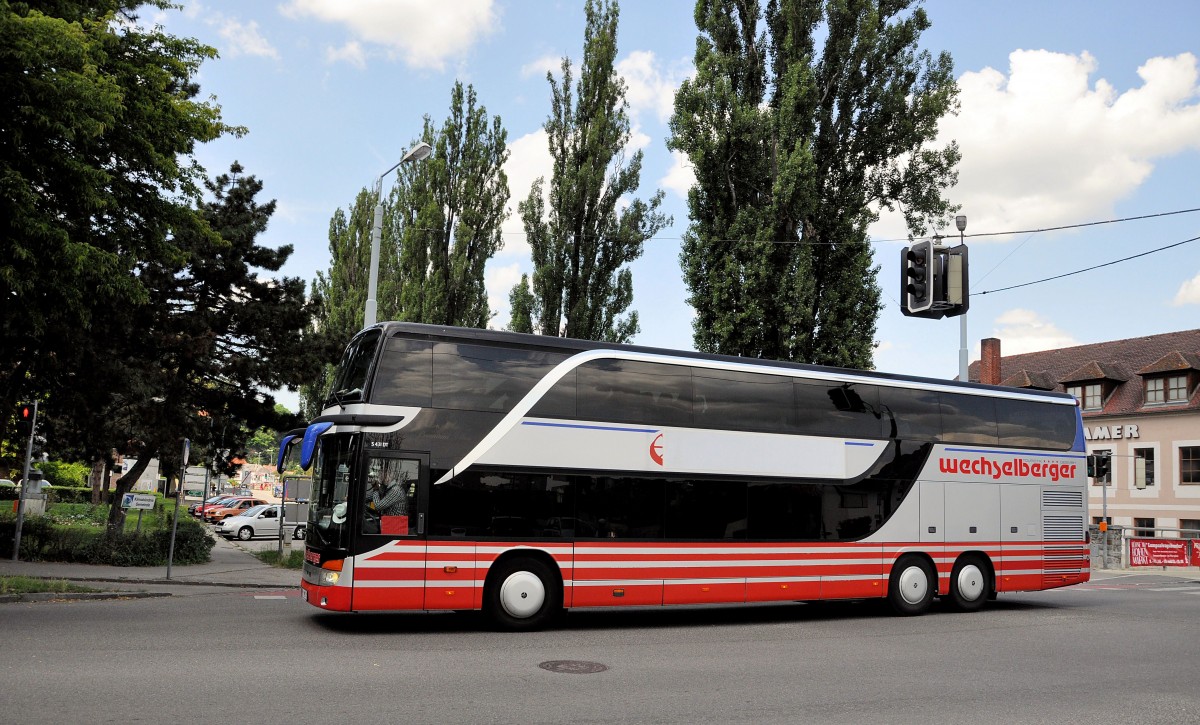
(231, 566)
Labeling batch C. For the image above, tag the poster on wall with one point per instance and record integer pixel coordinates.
(1158, 552)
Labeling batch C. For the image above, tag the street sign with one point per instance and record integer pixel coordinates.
(137, 501)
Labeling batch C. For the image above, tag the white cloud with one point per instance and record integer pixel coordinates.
(541, 66)
(1044, 146)
(648, 86)
(499, 282)
(1022, 331)
(1189, 292)
(244, 38)
(680, 177)
(424, 32)
(351, 53)
(529, 157)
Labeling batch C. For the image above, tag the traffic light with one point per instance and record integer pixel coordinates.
(1099, 467)
(26, 416)
(921, 278)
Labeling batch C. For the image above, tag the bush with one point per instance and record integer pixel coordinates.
(67, 475)
(44, 538)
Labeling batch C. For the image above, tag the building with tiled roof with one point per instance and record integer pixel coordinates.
(1141, 402)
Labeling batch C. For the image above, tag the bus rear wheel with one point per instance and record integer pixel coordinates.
(911, 586)
(522, 594)
(970, 584)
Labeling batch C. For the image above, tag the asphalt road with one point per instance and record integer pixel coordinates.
(1115, 650)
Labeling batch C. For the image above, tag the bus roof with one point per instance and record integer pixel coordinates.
(448, 333)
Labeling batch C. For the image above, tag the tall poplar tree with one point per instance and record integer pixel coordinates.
(794, 148)
(441, 225)
(581, 242)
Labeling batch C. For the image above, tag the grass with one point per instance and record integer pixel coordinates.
(30, 585)
(292, 560)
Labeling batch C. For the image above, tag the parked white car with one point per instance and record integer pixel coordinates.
(261, 520)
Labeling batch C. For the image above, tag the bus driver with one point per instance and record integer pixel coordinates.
(387, 504)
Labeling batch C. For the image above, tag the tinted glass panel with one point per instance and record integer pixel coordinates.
(968, 419)
(478, 377)
(560, 401)
(742, 401)
(405, 374)
(706, 510)
(910, 414)
(1028, 424)
(350, 379)
(505, 505)
(822, 511)
(846, 410)
(635, 392)
(621, 508)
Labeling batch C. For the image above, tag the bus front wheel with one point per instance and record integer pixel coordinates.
(522, 594)
(911, 586)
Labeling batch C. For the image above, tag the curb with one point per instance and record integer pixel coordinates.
(161, 582)
(76, 596)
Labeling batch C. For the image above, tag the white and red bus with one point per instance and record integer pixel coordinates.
(543, 473)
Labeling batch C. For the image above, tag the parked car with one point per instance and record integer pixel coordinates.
(194, 509)
(261, 520)
(6, 483)
(223, 512)
(211, 504)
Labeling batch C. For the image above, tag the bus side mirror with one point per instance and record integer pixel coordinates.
(285, 447)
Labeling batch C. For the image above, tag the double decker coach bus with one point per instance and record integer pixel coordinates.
(541, 473)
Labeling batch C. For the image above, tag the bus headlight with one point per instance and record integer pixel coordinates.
(329, 578)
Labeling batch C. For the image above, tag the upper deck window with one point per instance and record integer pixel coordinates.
(350, 378)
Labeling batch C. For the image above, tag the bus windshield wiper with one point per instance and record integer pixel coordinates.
(342, 395)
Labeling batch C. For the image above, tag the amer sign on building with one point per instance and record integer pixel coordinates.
(1140, 400)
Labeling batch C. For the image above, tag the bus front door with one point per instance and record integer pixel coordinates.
(389, 573)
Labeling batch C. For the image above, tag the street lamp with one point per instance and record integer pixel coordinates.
(960, 221)
(416, 153)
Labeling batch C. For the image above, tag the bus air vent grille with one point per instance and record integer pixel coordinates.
(1063, 528)
(1062, 499)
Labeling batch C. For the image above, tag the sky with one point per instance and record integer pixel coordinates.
(1071, 112)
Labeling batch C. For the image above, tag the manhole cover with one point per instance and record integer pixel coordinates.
(573, 667)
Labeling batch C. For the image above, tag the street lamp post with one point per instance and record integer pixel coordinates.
(416, 153)
(960, 221)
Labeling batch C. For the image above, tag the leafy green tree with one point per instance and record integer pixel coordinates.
(99, 119)
(432, 268)
(441, 225)
(794, 148)
(523, 307)
(581, 242)
(212, 336)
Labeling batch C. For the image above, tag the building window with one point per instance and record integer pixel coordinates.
(1177, 389)
(1189, 464)
(1090, 396)
(1143, 527)
(1096, 520)
(1143, 467)
(1189, 528)
(1154, 391)
(1171, 389)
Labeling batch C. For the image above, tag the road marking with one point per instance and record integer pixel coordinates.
(269, 596)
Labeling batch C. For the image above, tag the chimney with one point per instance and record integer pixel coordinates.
(989, 362)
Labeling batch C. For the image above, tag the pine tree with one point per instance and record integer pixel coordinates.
(793, 150)
(581, 242)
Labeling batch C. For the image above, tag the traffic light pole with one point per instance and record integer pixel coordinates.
(24, 485)
(962, 348)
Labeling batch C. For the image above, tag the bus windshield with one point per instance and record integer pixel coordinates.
(350, 379)
(328, 518)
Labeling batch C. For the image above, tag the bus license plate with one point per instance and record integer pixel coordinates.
(304, 593)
